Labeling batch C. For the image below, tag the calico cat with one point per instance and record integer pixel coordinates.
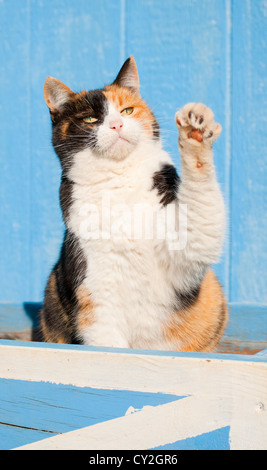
(110, 288)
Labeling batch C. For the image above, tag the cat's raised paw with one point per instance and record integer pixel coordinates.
(196, 124)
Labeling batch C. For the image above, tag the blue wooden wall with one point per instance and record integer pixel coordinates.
(212, 51)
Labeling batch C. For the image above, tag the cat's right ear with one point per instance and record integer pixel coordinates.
(56, 95)
(128, 75)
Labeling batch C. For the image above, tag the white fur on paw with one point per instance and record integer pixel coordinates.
(195, 122)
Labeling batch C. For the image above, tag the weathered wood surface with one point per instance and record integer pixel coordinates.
(130, 399)
(186, 51)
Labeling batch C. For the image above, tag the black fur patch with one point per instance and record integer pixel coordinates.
(187, 299)
(72, 261)
(66, 188)
(78, 134)
(156, 129)
(60, 305)
(222, 318)
(167, 182)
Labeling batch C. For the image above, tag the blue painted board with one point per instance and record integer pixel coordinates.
(45, 408)
(215, 440)
(186, 51)
(262, 354)
(15, 179)
(247, 323)
(249, 153)
(13, 436)
(17, 318)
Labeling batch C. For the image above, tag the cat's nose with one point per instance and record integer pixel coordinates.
(116, 125)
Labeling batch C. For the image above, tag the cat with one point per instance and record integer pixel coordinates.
(110, 288)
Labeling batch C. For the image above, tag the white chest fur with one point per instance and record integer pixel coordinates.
(130, 287)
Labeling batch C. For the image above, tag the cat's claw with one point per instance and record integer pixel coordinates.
(195, 122)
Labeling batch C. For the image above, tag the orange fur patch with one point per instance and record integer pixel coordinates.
(64, 129)
(200, 327)
(124, 98)
(53, 335)
(85, 308)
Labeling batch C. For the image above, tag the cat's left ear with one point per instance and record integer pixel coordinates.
(56, 95)
(128, 75)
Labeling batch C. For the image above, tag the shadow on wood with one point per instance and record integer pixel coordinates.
(20, 321)
(32, 310)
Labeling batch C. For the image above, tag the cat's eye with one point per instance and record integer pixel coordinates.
(127, 111)
(90, 120)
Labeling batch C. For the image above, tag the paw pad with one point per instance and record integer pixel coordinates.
(197, 122)
(195, 134)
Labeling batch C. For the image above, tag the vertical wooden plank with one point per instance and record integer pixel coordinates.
(78, 43)
(249, 157)
(182, 50)
(14, 150)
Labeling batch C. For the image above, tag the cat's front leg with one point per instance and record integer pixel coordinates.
(199, 189)
(197, 133)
